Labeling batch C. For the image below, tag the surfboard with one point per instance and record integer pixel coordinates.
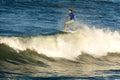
(68, 31)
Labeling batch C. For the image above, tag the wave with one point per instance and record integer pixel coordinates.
(29, 62)
(93, 41)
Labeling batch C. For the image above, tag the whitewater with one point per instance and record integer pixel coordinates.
(93, 41)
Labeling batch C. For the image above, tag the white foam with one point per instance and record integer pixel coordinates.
(96, 42)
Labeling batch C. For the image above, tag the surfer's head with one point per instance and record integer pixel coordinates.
(70, 11)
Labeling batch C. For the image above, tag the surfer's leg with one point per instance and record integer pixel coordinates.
(65, 26)
(72, 27)
(68, 23)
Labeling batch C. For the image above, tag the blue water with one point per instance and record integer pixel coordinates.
(45, 16)
(33, 48)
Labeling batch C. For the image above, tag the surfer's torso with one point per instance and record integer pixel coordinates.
(71, 15)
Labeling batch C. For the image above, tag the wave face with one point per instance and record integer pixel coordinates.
(93, 41)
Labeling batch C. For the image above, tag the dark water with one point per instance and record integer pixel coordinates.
(33, 48)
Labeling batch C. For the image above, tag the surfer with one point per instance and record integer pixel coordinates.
(71, 20)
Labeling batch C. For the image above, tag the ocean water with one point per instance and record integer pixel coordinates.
(32, 47)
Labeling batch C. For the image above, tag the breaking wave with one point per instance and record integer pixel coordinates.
(92, 41)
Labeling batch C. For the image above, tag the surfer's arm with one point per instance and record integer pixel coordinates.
(68, 17)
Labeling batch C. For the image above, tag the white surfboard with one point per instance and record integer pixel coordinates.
(68, 31)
